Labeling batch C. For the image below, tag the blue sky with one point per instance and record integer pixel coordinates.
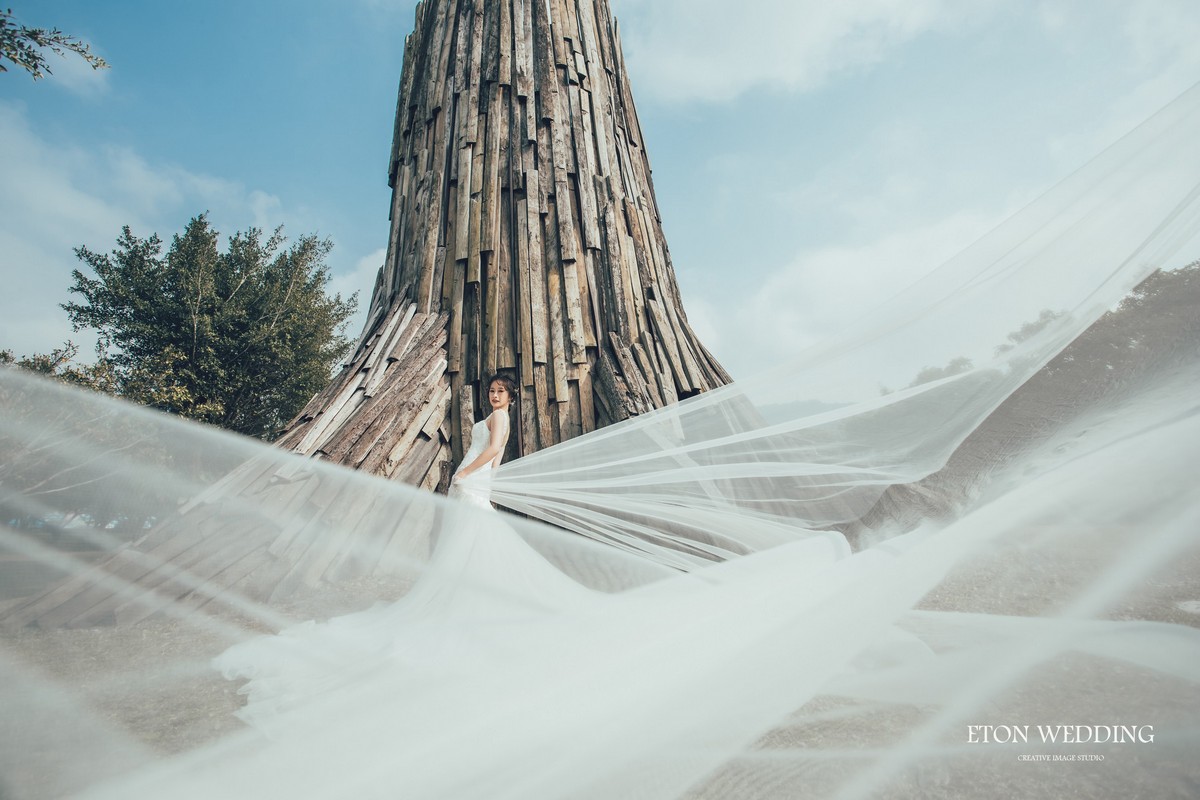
(810, 158)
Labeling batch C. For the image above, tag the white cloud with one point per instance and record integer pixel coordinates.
(60, 196)
(823, 290)
(361, 279)
(76, 75)
(716, 50)
(1151, 61)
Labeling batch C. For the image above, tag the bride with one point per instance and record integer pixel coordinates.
(488, 438)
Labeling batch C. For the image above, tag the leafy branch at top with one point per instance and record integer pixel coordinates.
(26, 47)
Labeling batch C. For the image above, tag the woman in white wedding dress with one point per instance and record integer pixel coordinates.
(488, 438)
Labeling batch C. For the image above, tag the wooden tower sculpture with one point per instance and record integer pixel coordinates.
(525, 236)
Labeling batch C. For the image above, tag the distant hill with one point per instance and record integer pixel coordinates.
(1153, 336)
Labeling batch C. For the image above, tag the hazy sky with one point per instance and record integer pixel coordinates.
(810, 158)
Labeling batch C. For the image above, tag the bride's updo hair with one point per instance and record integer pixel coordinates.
(506, 380)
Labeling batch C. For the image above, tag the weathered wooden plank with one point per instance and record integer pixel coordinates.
(654, 352)
(490, 54)
(521, 274)
(529, 423)
(420, 461)
(490, 191)
(455, 344)
(611, 392)
(624, 278)
(588, 285)
(673, 355)
(427, 268)
(545, 413)
(569, 246)
(633, 129)
(545, 188)
(572, 27)
(444, 37)
(604, 36)
(395, 431)
(633, 272)
(437, 478)
(389, 345)
(462, 215)
(618, 295)
(368, 450)
(559, 346)
(474, 230)
(575, 409)
(491, 312)
(671, 305)
(583, 182)
(506, 43)
(472, 332)
(601, 105)
(557, 24)
(522, 42)
(405, 95)
(539, 318)
(507, 292)
(465, 395)
(634, 380)
(586, 149)
(649, 373)
(426, 66)
(462, 50)
(571, 295)
(456, 417)
(587, 30)
(645, 273)
(543, 60)
(471, 133)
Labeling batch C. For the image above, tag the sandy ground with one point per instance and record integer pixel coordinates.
(152, 688)
(150, 691)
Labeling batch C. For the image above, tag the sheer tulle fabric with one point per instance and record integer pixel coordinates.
(797, 586)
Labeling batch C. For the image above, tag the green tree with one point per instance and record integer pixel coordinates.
(240, 338)
(58, 364)
(26, 47)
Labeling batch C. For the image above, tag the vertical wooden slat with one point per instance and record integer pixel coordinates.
(560, 355)
(504, 63)
(507, 339)
(521, 274)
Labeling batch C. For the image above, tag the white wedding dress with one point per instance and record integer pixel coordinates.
(481, 580)
(474, 489)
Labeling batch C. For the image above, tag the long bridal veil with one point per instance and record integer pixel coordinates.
(951, 553)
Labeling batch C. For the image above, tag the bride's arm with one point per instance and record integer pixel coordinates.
(497, 425)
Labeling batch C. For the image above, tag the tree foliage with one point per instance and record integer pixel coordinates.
(26, 47)
(58, 363)
(240, 338)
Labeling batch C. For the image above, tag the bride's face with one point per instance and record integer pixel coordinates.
(498, 395)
